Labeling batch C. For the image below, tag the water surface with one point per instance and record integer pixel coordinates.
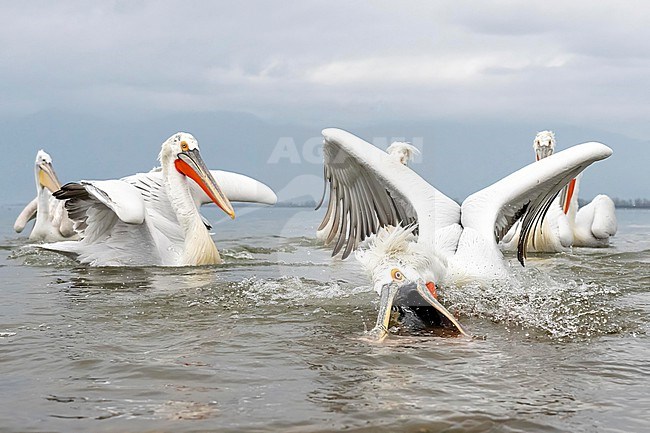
(271, 341)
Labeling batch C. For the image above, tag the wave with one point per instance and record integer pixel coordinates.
(562, 309)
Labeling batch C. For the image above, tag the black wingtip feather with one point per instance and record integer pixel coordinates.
(70, 191)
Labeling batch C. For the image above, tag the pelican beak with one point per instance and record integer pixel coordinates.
(566, 195)
(47, 177)
(430, 299)
(543, 151)
(191, 164)
(388, 294)
(409, 294)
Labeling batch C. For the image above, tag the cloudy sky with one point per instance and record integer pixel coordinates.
(323, 63)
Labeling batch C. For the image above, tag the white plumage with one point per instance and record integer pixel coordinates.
(52, 223)
(595, 223)
(402, 151)
(554, 233)
(371, 190)
(565, 225)
(153, 219)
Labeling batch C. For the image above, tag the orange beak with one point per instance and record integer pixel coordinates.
(568, 195)
(190, 164)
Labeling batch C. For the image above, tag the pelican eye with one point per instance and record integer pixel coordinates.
(184, 146)
(397, 275)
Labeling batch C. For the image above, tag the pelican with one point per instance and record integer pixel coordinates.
(52, 222)
(402, 151)
(593, 224)
(153, 219)
(418, 237)
(566, 225)
(554, 234)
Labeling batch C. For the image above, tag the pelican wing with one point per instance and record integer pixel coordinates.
(95, 206)
(368, 189)
(60, 219)
(527, 192)
(595, 223)
(111, 217)
(238, 188)
(26, 215)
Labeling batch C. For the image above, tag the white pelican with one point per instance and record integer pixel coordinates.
(593, 224)
(370, 191)
(153, 219)
(544, 144)
(565, 225)
(403, 151)
(52, 222)
(554, 234)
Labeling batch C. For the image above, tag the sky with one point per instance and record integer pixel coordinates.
(101, 84)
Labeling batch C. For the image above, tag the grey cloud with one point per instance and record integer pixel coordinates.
(331, 63)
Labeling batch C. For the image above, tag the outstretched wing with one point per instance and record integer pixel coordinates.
(110, 217)
(27, 214)
(238, 188)
(368, 189)
(527, 192)
(95, 206)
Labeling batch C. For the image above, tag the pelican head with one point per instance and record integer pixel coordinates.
(45, 175)
(544, 144)
(183, 149)
(403, 276)
(402, 151)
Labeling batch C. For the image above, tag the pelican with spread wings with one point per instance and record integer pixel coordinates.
(153, 219)
(420, 238)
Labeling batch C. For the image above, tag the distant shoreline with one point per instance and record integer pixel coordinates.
(631, 207)
(313, 205)
(644, 205)
(638, 203)
(622, 204)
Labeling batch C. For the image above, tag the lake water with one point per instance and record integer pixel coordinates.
(271, 341)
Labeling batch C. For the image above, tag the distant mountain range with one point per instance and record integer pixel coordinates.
(458, 158)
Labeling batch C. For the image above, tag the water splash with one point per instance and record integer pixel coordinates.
(562, 309)
(32, 255)
(291, 289)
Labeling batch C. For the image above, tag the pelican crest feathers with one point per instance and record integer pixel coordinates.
(398, 245)
(403, 151)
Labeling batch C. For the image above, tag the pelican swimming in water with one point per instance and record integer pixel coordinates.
(565, 225)
(52, 223)
(153, 219)
(422, 238)
(554, 234)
